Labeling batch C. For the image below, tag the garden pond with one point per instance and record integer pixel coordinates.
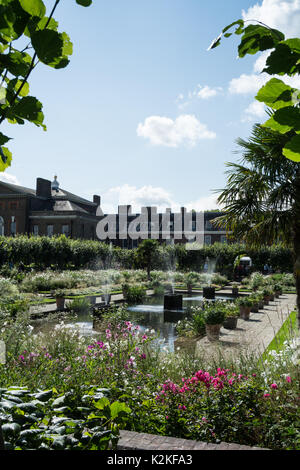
(149, 315)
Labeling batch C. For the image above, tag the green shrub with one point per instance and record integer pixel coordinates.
(135, 293)
(80, 305)
(215, 313)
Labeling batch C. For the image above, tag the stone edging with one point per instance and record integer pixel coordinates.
(130, 440)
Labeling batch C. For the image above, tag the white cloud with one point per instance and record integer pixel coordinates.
(8, 178)
(255, 110)
(207, 92)
(280, 14)
(260, 62)
(247, 83)
(200, 92)
(136, 197)
(150, 196)
(164, 131)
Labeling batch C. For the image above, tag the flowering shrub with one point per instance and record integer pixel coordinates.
(247, 402)
(228, 407)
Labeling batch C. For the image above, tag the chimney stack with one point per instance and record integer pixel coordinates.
(43, 188)
(97, 199)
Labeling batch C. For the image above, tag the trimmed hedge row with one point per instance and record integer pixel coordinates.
(64, 253)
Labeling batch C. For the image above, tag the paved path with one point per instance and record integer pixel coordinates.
(252, 336)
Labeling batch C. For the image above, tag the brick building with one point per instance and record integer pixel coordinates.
(164, 227)
(46, 210)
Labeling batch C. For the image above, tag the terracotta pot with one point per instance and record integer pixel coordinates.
(272, 296)
(213, 332)
(60, 303)
(266, 299)
(261, 304)
(255, 308)
(245, 312)
(230, 323)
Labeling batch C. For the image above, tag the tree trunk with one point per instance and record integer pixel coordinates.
(297, 242)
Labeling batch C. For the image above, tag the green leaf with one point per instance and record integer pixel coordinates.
(5, 161)
(28, 108)
(13, 20)
(59, 401)
(284, 120)
(84, 3)
(33, 7)
(38, 24)
(283, 60)
(17, 63)
(102, 403)
(44, 396)
(292, 149)
(258, 38)
(11, 429)
(240, 24)
(2, 94)
(276, 94)
(118, 409)
(3, 139)
(52, 48)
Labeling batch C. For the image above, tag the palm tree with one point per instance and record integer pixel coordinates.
(262, 197)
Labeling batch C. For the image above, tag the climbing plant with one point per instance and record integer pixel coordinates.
(284, 59)
(26, 22)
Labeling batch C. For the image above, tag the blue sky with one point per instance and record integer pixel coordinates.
(144, 114)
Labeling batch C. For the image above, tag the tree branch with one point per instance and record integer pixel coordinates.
(31, 67)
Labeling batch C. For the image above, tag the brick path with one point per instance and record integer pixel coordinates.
(252, 336)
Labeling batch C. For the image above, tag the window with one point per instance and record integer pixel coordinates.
(1, 226)
(35, 230)
(14, 205)
(208, 225)
(207, 239)
(49, 230)
(223, 239)
(65, 230)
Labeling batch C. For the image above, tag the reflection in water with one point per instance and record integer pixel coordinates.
(150, 315)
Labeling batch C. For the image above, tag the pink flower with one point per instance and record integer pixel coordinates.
(288, 379)
(266, 395)
(274, 386)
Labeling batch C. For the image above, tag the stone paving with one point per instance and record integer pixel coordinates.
(130, 440)
(251, 336)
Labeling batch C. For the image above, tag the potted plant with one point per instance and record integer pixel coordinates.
(267, 295)
(214, 317)
(260, 298)
(59, 295)
(235, 288)
(231, 316)
(125, 289)
(245, 305)
(255, 303)
(277, 289)
(190, 280)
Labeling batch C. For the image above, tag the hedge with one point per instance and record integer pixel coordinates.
(65, 253)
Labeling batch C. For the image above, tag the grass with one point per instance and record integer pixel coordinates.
(287, 332)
